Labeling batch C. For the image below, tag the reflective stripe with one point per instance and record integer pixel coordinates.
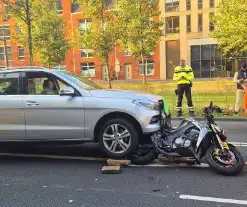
(183, 71)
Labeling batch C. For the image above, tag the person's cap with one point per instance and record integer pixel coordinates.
(244, 65)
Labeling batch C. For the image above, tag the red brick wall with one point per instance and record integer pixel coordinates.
(72, 22)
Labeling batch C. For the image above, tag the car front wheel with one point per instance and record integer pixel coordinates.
(118, 137)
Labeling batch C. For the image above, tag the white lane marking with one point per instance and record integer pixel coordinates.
(54, 157)
(212, 199)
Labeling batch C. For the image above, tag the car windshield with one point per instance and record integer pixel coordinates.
(77, 80)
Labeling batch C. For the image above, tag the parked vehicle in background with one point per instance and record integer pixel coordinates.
(41, 105)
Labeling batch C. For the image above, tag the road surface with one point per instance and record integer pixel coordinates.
(64, 183)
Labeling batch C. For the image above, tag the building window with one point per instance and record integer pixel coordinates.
(172, 25)
(84, 24)
(207, 61)
(200, 4)
(172, 5)
(211, 3)
(188, 5)
(2, 53)
(87, 69)
(211, 24)
(18, 28)
(59, 7)
(148, 66)
(5, 32)
(188, 23)
(85, 53)
(127, 52)
(75, 7)
(199, 22)
(21, 54)
(7, 12)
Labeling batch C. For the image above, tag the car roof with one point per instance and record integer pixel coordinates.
(25, 69)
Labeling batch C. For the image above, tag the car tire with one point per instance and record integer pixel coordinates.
(118, 137)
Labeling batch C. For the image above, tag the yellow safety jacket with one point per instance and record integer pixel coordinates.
(183, 75)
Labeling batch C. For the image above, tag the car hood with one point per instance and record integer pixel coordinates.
(125, 94)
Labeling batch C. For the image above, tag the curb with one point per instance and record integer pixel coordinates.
(226, 119)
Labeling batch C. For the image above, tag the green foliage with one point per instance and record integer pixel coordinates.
(102, 36)
(50, 44)
(142, 26)
(230, 23)
(42, 30)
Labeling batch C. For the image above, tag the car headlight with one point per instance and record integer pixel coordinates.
(147, 104)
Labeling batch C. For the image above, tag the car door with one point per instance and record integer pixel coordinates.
(12, 122)
(48, 115)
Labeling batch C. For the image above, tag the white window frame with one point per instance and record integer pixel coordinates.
(146, 64)
(2, 54)
(88, 69)
(5, 27)
(21, 58)
(87, 24)
(87, 52)
(58, 4)
(9, 53)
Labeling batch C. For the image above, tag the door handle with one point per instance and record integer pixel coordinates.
(32, 103)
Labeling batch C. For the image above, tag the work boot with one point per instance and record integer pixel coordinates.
(179, 113)
(192, 113)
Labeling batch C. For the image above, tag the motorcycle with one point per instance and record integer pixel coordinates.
(189, 143)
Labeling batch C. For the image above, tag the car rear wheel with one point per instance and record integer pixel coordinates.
(118, 137)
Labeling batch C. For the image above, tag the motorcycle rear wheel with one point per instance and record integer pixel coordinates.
(222, 168)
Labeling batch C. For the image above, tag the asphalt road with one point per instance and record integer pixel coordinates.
(49, 183)
(45, 182)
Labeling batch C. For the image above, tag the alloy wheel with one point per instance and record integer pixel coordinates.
(117, 138)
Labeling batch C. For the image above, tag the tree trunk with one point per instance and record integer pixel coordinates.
(144, 71)
(30, 39)
(236, 66)
(108, 72)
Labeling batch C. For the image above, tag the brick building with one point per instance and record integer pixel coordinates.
(188, 30)
(80, 61)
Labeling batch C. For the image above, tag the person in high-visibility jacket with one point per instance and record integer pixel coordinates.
(184, 75)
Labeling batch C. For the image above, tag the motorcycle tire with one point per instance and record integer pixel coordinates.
(220, 168)
(145, 158)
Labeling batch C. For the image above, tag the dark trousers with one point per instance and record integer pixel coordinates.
(184, 88)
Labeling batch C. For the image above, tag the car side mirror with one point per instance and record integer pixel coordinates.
(67, 91)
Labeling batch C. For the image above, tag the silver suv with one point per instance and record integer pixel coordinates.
(38, 104)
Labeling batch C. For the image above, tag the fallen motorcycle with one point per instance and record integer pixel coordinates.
(189, 143)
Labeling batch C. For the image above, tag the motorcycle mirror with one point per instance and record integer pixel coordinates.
(211, 104)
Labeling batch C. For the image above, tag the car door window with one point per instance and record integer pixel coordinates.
(39, 83)
(10, 84)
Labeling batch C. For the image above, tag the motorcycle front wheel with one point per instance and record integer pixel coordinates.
(144, 156)
(229, 166)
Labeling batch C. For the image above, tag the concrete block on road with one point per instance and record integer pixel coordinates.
(111, 170)
(118, 162)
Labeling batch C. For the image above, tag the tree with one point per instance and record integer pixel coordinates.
(50, 43)
(140, 21)
(230, 22)
(22, 12)
(102, 36)
(42, 30)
